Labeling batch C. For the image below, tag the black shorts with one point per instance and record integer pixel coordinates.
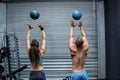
(37, 75)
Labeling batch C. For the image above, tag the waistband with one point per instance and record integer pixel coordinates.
(81, 71)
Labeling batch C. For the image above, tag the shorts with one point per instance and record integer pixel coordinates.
(82, 75)
(37, 75)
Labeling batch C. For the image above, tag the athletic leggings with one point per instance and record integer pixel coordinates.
(37, 75)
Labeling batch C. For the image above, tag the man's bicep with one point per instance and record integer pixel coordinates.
(86, 44)
(72, 46)
(84, 39)
(71, 42)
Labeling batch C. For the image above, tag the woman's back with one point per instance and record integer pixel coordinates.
(36, 54)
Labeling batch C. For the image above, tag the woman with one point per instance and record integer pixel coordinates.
(36, 54)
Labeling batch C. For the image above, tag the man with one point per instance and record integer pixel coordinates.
(79, 49)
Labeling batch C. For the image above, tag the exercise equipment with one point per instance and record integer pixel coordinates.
(1, 69)
(66, 78)
(13, 58)
(3, 53)
(12, 74)
(76, 14)
(9, 56)
(34, 14)
(2, 77)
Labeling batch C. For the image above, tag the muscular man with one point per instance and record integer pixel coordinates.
(79, 49)
(36, 54)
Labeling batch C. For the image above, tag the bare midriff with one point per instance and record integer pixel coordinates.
(38, 68)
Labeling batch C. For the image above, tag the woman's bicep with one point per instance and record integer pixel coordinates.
(27, 45)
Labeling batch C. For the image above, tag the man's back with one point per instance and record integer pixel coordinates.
(78, 50)
(78, 60)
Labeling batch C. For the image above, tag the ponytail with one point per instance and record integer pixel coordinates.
(34, 55)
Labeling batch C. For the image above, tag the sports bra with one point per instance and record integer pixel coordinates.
(40, 60)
